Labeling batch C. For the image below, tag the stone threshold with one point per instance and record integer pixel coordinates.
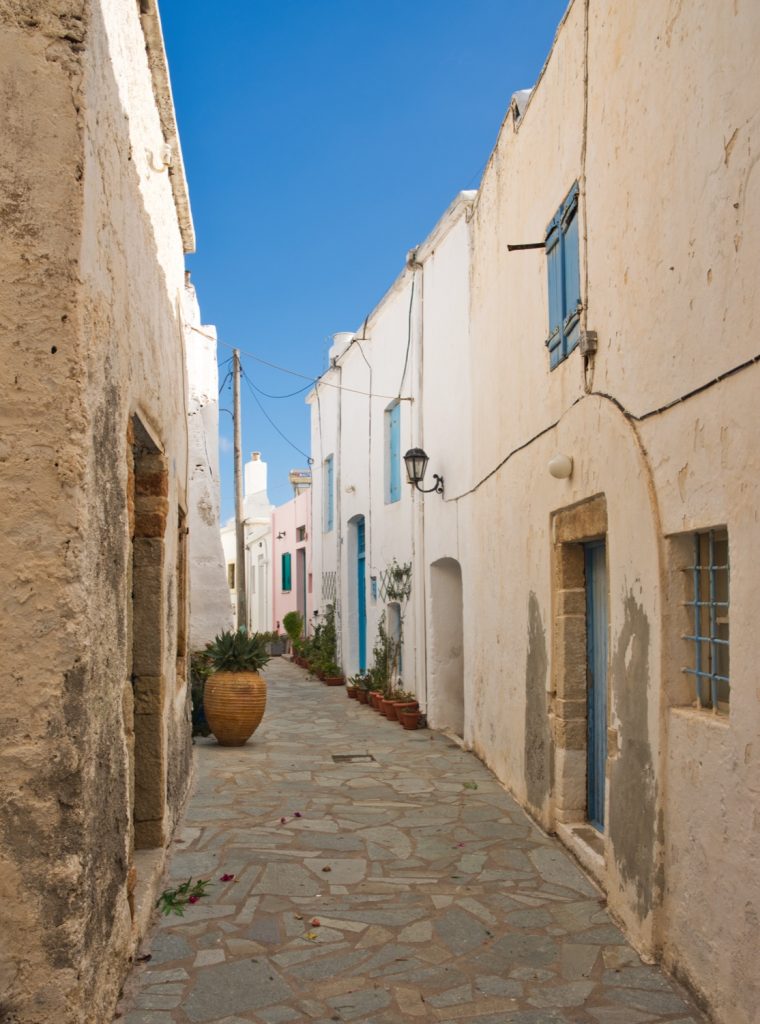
(587, 846)
(150, 866)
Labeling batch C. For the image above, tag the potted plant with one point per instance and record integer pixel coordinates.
(409, 718)
(293, 625)
(404, 701)
(235, 695)
(363, 684)
(331, 674)
(200, 670)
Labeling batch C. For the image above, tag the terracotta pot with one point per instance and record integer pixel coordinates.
(234, 704)
(409, 719)
(376, 696)
(405, 705)
(333, 680)
(351, 692)
(362, 696)
(388, 709)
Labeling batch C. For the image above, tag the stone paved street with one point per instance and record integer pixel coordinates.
(437, 898)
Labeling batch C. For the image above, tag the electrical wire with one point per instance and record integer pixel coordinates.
(290, 394)
(631, 416)
(224, 382)
(296, 373)
(257, 400)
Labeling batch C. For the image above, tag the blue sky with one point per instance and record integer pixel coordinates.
(323, 139)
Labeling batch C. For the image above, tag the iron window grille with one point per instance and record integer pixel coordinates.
(709, 606)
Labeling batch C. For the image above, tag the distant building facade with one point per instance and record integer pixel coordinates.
(94, 498)
(257, 513)
(581, 592)
(210, 612)
(366, 412)
(292, 582)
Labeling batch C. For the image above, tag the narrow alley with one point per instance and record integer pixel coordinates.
(379, 876)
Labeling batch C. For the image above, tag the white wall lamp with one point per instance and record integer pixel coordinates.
(561, 466)
(416, 463)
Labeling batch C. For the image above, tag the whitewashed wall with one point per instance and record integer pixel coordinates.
(209, 599)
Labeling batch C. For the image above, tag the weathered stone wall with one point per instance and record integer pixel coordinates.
(90, 277)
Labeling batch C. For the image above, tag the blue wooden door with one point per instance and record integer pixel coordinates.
(361, 603)
(596, 660)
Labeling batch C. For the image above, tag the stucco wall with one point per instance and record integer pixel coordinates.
(90, 280)
(210, 611)
(664, 152)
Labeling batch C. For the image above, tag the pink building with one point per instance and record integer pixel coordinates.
(291, 544)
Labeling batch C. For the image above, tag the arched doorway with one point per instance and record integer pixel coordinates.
(446, 660)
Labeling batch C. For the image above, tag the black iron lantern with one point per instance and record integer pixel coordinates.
(416, 461)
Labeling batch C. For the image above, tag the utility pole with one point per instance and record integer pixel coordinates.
(242, 615)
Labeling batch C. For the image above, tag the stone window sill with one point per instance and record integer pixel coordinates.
(704, 715)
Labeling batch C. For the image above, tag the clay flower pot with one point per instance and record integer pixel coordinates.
(388, 709)
(376, 696)
(234, 704)
(409, 719)
(404, 705)
(351, 692)
(362, 696)
(333, 680)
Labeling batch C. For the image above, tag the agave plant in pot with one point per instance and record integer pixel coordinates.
(235, 695)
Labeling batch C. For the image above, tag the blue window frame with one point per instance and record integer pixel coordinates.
(329, 494)
(563, 270)
(393, 453)
(709, 606)
(286, 572)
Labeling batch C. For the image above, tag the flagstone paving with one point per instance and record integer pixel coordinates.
(437, 898)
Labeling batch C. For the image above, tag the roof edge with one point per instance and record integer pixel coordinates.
(162, 91)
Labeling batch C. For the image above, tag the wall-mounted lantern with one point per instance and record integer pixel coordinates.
(416, 463)
(281, 534)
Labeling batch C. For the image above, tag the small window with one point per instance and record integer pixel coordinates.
(393, 453)
(231, 575)
(709, 605)
(286, 572)
(327, 484)
(563, 269)
(301, 533)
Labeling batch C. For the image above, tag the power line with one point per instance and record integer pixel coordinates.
(296, 373)
(271, 421)
(290, 394)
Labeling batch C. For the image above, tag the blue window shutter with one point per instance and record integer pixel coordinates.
(394, 465)
(329, 494)
(563, 269)
(286, 585)
(572, 273)
(554, 271)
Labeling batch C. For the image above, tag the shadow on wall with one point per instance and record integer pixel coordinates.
(539, 764)
(447, 654)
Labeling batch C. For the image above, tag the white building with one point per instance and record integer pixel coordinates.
(209, 600)
(257, 512)
(581, 368)
(367, 411)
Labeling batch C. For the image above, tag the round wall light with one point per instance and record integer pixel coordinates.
(561, 466)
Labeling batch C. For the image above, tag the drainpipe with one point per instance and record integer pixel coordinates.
(420, 570)
(339, 517)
